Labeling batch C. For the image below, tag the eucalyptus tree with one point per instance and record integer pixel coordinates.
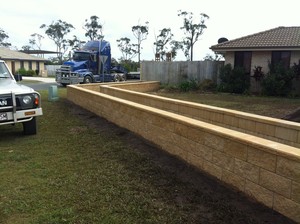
(214, 57)
(57, 32)
(3, 37)
(175, 46)
(26, 47)
(127, 49)
(141, 33)
(192, 30)
(75, 43)
(93, 28)
(163, 43)
(36, 41)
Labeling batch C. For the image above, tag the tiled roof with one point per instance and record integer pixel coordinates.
(280, 37)
(6, 53)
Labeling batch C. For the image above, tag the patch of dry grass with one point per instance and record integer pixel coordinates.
(268, 106)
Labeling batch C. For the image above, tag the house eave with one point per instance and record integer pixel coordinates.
(223, 50)
(23, 59)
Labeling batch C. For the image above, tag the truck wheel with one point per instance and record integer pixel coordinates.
(117, 78)
(87, 79)
(30, 127)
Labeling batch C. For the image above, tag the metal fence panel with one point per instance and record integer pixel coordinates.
(51, 69)
(177, 71)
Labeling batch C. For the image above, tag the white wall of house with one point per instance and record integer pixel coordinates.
(229, 58)
(34, 66)
(262, 58)
(295, 57)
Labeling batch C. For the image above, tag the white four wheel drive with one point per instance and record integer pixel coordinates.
(18, 103)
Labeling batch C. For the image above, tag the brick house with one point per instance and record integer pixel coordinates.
(16, 60)
(281, 44)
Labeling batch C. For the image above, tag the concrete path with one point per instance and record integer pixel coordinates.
(42, 83)
(41, 79)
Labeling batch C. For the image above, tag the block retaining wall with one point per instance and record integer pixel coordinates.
(263, 169)
(278, 130)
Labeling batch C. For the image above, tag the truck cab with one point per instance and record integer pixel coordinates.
(91, 63)
(18, 103)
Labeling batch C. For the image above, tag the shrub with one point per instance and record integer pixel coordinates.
(208, 85)
(233, 80)
(25, 72)
(279, 81)
(186, 86)
(296, 69)
(21, 71)
(258, 73)
(169, 87)
(31, 73)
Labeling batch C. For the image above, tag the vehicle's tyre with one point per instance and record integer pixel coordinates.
(87, 79)
(117, 78)
(30, 127)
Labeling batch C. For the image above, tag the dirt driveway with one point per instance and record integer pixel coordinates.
(204, 194)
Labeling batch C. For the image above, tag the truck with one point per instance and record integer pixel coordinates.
(91, 63)
(18, 103)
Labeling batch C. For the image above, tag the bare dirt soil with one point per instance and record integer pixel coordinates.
(212, 192)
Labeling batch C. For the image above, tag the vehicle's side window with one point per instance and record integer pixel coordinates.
(1, 68)
(3, 71)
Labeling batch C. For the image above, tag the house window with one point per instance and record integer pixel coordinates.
(283, 57)
(30, 65)
(21, 64)
(243, 59)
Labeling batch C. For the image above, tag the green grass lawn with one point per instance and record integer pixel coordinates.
(69, 173)
(72, 173)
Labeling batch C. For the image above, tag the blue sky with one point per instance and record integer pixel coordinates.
(231, 19)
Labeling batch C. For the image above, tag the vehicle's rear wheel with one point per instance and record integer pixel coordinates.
(30, 127)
